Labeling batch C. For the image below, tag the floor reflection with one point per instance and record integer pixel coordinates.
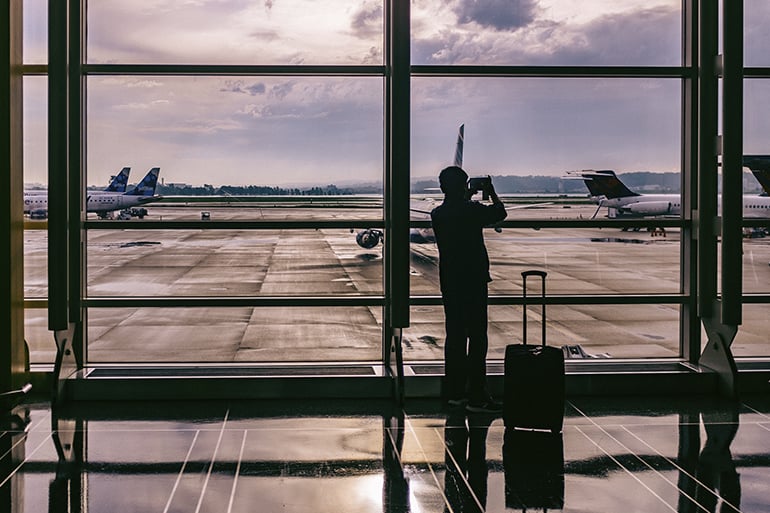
(636, 455)
(465, 477)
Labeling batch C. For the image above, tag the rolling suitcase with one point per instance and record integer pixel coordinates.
(533, 384)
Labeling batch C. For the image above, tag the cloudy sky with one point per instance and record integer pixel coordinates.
(286, 130)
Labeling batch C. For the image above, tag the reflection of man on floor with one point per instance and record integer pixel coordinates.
(465, 478)
(458, 225)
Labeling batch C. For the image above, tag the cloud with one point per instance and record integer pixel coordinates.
(367, 20)
(505, 15)
(239, 86)
(649, 36)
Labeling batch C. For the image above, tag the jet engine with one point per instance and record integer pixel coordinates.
(369, 238)
(649, 208)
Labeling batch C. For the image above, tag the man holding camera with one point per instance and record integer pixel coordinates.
(458, 225)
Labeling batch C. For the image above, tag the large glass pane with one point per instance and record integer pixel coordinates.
(541, 128)
(756, 263)
(757, 40)
(604, 331)
(578, 261)
(756, 112)
(35, 132)
(547, 32)
(149, 263)
(752, 339)
(258, 135)
(268, 334)
(236, 32)
(35, 186)
(40, 341)
(42, 349)
(35, 32)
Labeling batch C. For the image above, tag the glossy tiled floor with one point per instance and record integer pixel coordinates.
(614, 455)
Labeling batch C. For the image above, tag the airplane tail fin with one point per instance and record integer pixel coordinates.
(760, 166)
(148, 184)
(458, 161)
(606, 183)
(119, 181)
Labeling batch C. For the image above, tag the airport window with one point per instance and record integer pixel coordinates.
(294, 32)
(580, 261)
(230, 263)
(602, 331)
(557, 33)
(543, 128)
(756, 39)
(35, 32)
(278, 135)
(751, 341)
(272, 142)
(235, 334)
(42, 349)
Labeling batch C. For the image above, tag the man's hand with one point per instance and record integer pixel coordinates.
(489, 190)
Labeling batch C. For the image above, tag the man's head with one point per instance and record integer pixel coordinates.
(453, 181)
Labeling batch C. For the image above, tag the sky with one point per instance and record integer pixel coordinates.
(315, 130)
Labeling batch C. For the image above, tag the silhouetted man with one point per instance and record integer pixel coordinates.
(458, 224)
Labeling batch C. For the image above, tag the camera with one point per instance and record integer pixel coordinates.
(479, 183)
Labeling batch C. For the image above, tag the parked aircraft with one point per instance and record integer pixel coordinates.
(370, 238)
(609, 191)
(103, 203)
(117, 184)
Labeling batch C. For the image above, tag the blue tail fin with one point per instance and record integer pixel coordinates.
(119, 181)
(459, 147)
(148, 184)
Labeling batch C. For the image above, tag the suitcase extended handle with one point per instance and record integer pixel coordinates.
(542, 275)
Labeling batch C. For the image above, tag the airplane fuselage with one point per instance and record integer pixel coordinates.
(648, 205)
(99, 202)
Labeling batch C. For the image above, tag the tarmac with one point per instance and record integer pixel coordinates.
(328, 262)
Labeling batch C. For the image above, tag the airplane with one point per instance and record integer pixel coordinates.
(369, 238)
(118, 183)
(609, 191)
(103, 203)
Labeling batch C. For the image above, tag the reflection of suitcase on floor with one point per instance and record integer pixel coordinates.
(534, 469)
(534, 378)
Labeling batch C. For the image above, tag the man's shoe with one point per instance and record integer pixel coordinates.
(488, 405)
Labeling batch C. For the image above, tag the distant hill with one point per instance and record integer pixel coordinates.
(639, 181)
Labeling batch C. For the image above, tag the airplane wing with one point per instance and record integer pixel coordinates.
(528, 205)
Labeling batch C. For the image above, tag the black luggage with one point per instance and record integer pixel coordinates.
(534, 378)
